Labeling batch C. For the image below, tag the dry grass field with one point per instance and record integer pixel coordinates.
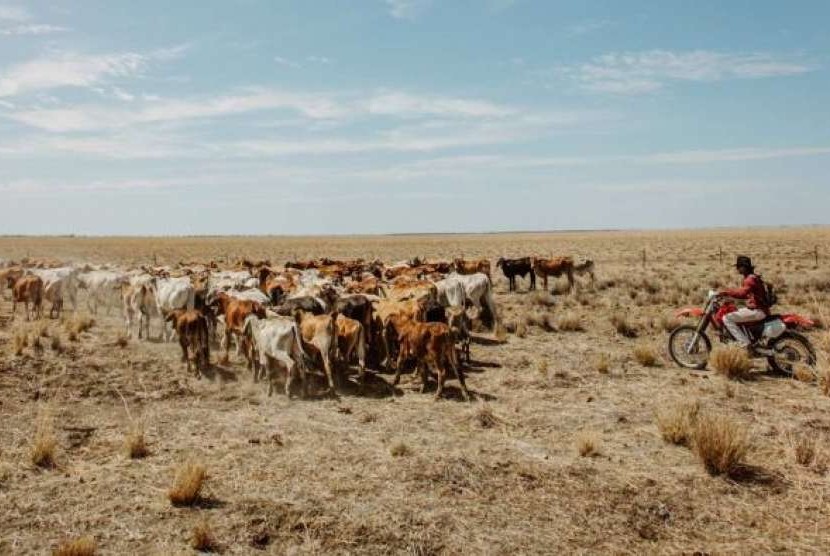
(584, 437)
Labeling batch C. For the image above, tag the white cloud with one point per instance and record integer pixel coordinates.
(648, 71)
(33, 29)
(76, 70)
(13, 13)
(319, 60)
(313, 106)
(407, 9)
(286, 62)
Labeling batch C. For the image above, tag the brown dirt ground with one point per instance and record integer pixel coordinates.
(501, 475)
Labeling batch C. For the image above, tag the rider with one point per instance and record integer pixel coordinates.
(754, 292)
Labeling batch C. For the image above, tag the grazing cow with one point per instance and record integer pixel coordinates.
(102, 287)
(252, 294)
(451, 293)
(517, 267)
(26, 289)
(384, 309)
(478, 291)
(368, 284)
(351, 340)
(191, 327)
(431, 345)
(472, 266)
(460, 325)
(319, 336)
(277, 341)
(304, 303)
(555, 267)
(53, 293)
(138, 300)
(66, 279)
(235, 311)
(172, 293)
(585, 267)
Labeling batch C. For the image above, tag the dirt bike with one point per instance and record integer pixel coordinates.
(775, 337)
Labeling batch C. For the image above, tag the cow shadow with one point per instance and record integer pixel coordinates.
(373, 386)
(215, 372)
(484, 341)
(756, 475)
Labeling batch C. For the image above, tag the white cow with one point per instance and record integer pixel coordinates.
(171, 294)
(138, 300)
(451, 293)
(277, 341)
(478, 290)
(102, 288)
(252, 294)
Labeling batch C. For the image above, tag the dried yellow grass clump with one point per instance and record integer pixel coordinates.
(122, 340)
(720, 443)
(645, 355)
(485, 417)
(399, 449)
(732, 362)
(804, 450)
(44, 444)
(824, 380)
(21, 341)
(677, 423)
(588, 444)
(190, 479)
(84, 546)
(570, 322)
(79, 324)
(135, 443)
(603, 364)
(623, 326)
(202, 538)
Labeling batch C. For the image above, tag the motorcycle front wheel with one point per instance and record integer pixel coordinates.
(789, 351)
(687, 352)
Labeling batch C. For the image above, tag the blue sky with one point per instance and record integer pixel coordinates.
(377, 116)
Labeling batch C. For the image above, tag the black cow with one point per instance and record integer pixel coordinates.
(517, 267)
(304, 303)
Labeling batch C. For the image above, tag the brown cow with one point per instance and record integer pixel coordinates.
(235, 312)
(351, 340)
(26, 289)
(431, 345)
(319, 336)
(191, 325)
(472, 266)
(384, 309)
(368, 285)
(555, 267)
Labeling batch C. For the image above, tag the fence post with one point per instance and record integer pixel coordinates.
(816, 254)
(720, 255)
(644, 257)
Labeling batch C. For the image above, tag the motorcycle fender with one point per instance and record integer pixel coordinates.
(690, 312)
(797, 321)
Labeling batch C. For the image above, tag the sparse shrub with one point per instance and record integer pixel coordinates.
(570, 322)
(84, 546)
(645, 355)
(135, 442)
(720, 443)
(804, 450)
(732, 362)
(399, 449)
(122, 340)
(187, 487)
(623, 327)
(485, 417)
(368, 418)
(21, 341)
(677, 423)
(202, 538)
(588, 444)
(44, 444)
(543, 299)
(541, 320)
(603, 364)
(56, 344)
(72, 336)
(79, 324)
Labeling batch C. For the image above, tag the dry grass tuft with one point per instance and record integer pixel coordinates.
(803, 373)
(623, 327)
(37, 345)
(543, 299)
(521, 329)
(56, 344)
(500, 333)
(824, 380)
(122, 340)
(190, 479)
(588, 444)
(485, 417)
(804, 450)
(603, 364)
(72, 336)
(84, 546)
(645, 355)
(668, 323)
(720, 443)
(79, 324)
(44, 444)
(677, 424)
(541, 320)
(135, 443)
(732, 362)
(41, 329)
(399, 449)
(570, 322)
(21, 341)
(202, 538)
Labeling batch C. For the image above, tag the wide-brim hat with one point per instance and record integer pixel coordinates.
(743, 260)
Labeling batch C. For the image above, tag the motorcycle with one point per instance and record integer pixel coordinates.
(776, 337)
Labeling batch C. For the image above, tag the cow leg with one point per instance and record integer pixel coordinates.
(424, 375)
(226, 341)
(361, 356)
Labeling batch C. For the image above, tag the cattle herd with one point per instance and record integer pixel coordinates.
(315, 317)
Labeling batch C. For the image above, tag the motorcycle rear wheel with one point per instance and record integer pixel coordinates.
(790, 350)
(684, 353)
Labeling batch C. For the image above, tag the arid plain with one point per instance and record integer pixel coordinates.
(563, 450)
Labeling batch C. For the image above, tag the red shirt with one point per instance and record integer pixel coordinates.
(753, 291)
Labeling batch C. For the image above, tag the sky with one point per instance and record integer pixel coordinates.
(401, 116)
